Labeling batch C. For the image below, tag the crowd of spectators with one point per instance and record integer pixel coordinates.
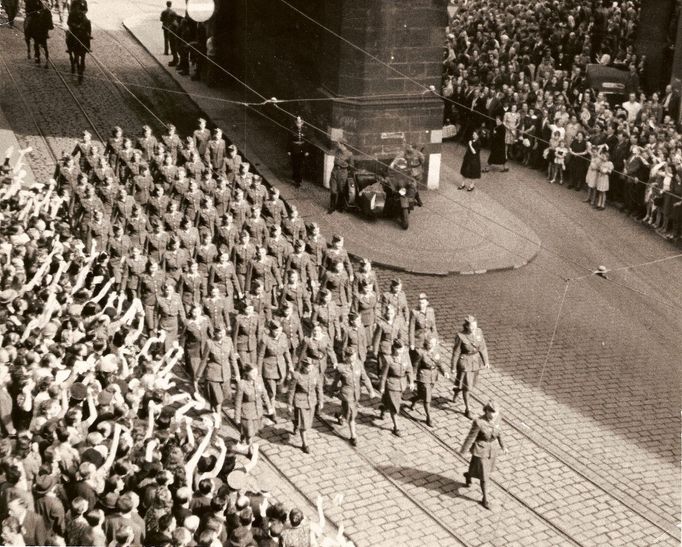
(127, 288)
(523, 66)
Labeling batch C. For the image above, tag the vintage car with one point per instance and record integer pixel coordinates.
(607, 80)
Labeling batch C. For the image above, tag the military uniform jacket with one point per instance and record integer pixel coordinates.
(118, 248)
(339, 285)
(428, 365)
(305, 389)
(250, 400)
(302, 264)
(173, 221)
(68, 176)
(354, 338)
(318, 350)
(215, 153)
(246, 332)
(291, 326)
(294, 228)
(134, 270)
(218, 312)
(398, 301)
(169, 309)
(273, 355)
(422, 326)
(205, 256)
(328, 316)
(483, 439)
(158, 205)
(147, 145)
(150, 287)
(469, 351)
(172, 144)
(230, 166)
(221, 199)
(192, 287)
(256, 195)
(275, 210)
(156, 245)
(240, 211)
(201, 138)
(224, 276)
(297, 295)
(174, 262)
(395, 373)
(332, 255)
(189, 238)
(351, 376)
(166, 175)
(279, 249)
(257, 228)
(366, 305)
(385, 334)
(370, 278)
(197, 332)
(113, 149)
(220, 361)
(265, 271)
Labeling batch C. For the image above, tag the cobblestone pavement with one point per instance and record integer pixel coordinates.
(593, 417)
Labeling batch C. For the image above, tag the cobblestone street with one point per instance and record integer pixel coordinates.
(586, 370)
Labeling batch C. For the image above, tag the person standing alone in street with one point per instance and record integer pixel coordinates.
(482, 441)
(298, 152)
(338, 183)
(167, 18)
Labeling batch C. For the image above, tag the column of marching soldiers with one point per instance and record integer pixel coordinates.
(253, 294)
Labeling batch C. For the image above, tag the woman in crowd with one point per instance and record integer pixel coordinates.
(471, 164)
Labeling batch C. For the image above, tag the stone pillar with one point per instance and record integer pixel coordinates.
(376, 108)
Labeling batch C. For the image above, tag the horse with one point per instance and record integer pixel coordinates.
(37, 27)
(78, 41)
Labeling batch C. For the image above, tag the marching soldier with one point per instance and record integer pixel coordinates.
(274, 360)
(326, 314)
(295, 293)
(387, 331)
(336, 253)
(217, 309)
(366, 305)
(350, 375)
(422, 324)
(367, 274)
(256, 226)
(240, 209)
(298, 152)
(415, 165)
(218, 369)
(246, 333)
(395, 377)
(338, 183)
(118, 247)
(175, 259)
(151, 285)
(171, 314)
(249, 403)
(427, 366)
(134, 269)
(188, 236)
(172, 142)
(305, 396)
(223, 276)
(336, 281)
(147, 143)
(291, 326)
(274, 209)
(231, 163)
(396, 298)
(201, 137)
(113, 149)
(354, 337)
(215, 149)
(206, 253)
(318, 350)
(263, 268)
(242, 254)
(197, 332)
(227, 234)
(299, 262)
(278, 247)
(469, 356)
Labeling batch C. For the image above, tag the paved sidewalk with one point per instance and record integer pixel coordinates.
(487, 236)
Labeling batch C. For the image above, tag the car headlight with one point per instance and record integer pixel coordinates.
(402, 191)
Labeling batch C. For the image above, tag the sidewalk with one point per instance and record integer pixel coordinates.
(455, 232)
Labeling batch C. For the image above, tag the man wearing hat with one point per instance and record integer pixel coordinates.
(469, 356)
(231, 163)
(353, 336)
(326, 313)
(246, 333)
(305, 395)
(274, 359)
(396, 298)
(201, 137)
(48, 505)
(483, 440)
(170, 313)
(147, 143)
(395, 377)
(351, 375)
(336, 253)
(215, 150)
(250, 402)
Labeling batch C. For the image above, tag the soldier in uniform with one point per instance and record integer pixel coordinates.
(338, 183)
(82, 149)
(291, 325)
(483, 440)
(147, 143)
(274, 209)
(223, 276)
(415, 165)
(171, 314)
(296, 294)
(134, 269)
(353, 336)
(175, 259)
(172, 142)
(388, 329)
(222, 196)
(396, 298)
(336, 253)
(469, 356)
(206, 253)
(318, 349)
(231, 163)
(350, 375)
(427, 366)
(197, 332)
(395, 376)
(366, 305)
(367, 274)
(263, 268)
(218, 368)
(113, 149)
(151, 284)
(215, 150)
(305, 395)
(422, 324)
(217, 309)
(201, 137)
(256, 226)
(299, 262)
(240, 209)
(249, 403)
(336, 281)
(274, 360)
(118, 247)
(246, 333)
(298, 152)
(193, 286)
(66, 174)
(326, 313)
(278, 247)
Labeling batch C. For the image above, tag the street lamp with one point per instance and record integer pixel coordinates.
(200, 10)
